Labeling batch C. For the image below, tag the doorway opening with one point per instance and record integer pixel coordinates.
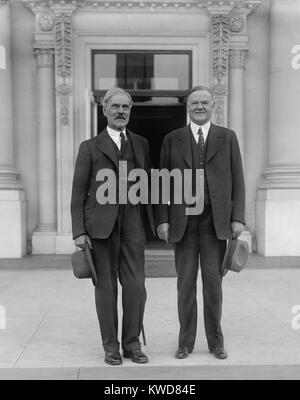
(152, 121)
(158, 82)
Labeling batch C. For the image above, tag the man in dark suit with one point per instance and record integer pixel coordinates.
(215, 151)
(115, 231)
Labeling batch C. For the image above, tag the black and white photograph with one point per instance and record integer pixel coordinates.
(149, 192)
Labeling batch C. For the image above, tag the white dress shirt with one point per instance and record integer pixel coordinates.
(115, 135)
(195, 129)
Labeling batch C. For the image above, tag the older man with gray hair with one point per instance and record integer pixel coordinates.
(115, 232)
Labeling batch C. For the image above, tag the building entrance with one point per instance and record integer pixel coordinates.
(158, 82)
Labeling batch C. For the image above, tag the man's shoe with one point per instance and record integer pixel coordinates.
(219, 352)
(113, 358)
(136, 356)
(182, 352)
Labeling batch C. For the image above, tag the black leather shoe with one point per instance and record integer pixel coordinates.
(182, 352)
(113, 358)
(136, 356)
(219, 352)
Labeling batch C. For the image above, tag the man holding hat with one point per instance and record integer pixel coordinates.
(214, 151)
(115, 232)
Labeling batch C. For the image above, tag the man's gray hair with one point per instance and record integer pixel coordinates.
(200, 88)
(112, 92)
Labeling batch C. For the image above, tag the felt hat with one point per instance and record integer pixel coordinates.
(83, 264)
(236, 256)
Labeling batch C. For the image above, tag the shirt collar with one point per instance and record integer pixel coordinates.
(205, 129)
(115, 134)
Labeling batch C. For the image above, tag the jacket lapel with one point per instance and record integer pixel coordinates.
(106, 146)
(183, 142)
(215, 139)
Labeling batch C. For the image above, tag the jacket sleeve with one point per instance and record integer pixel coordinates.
(81, 183)
(162, 210)
(238, 184)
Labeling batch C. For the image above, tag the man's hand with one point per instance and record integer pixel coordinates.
(163, 232)
(81, 241)
(236, 229)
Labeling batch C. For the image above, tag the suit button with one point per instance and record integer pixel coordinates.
(212, 194)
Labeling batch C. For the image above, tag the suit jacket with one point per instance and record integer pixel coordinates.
(88, 216)
(224, 173)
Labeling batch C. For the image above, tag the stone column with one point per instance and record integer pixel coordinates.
(43, 240)
(64, 122)
(236, 94)
(278, 198)
(12, 197)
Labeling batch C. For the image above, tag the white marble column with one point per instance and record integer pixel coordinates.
(43, 240)
(7, 171)
(12, 197)
(236, 112)
(278, 199)
(236, 94)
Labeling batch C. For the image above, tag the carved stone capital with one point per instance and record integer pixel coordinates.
(44, 57)
(237, 58)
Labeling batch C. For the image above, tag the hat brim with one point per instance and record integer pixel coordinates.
(91, 264)
(225, 259)
(236, 256)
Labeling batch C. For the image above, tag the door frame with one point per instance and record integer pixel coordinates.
(199, 46)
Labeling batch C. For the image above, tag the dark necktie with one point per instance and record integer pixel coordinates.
(123, 142)
(201, 147)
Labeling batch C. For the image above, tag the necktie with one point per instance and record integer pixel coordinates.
(123, 142)
(201, 147)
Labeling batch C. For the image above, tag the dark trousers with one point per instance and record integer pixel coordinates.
(121, 256)
(200, 239)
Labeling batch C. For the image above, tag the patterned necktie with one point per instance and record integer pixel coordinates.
(123, 142)
(201, 147)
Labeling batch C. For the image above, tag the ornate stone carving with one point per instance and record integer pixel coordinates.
(175, 5)
(63, 30)
(237, 59)
(44, 57)
(64, 110)
(2, 2)
(220, 46)
(64, 90)
(237, 24)
(220, 27)
(46, 22)
(219, 110)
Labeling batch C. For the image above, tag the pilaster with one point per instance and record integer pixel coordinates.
(278, 197)
(13, 227)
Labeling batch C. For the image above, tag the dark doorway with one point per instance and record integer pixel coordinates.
(152, 122)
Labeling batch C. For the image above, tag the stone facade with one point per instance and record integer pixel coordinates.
(230, 44)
